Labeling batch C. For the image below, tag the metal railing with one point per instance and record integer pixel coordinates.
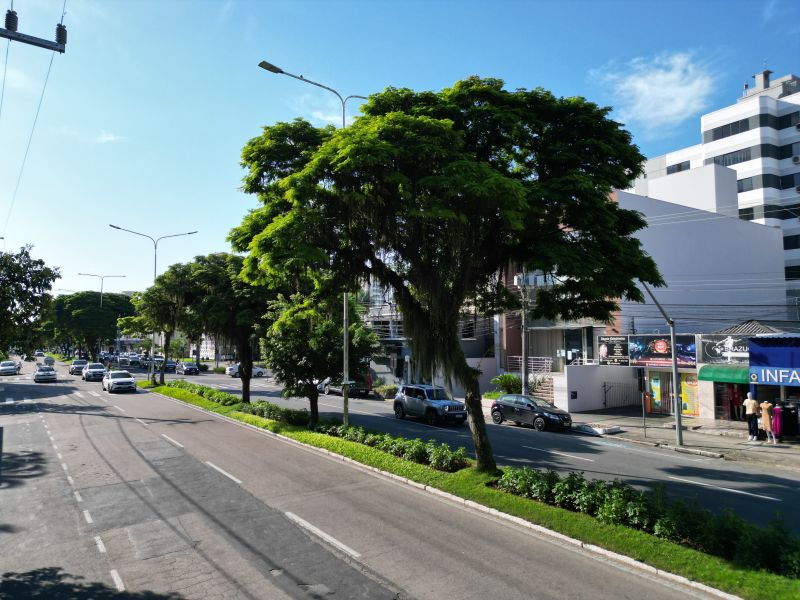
(536, 364)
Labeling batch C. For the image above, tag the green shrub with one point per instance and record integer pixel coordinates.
(219, 370)
(508, 383)
(204, 367)
(386, 391)
(564, 491)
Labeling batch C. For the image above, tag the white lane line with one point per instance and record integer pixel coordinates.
(321, 534)
(95, 394)
(169, 439)
(64, 466)
(9, 401)
(560, 453)
(27, 400)
(71, 481)
(224, 472)
(118, 408)
(52, 439)
(78, 394)
(142, 422)
(78, 497)
(59, 456)
(87, 516)
(55, 447)
(117, 580)
(101, 547)
(717, 487)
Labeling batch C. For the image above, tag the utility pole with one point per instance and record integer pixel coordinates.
(10, 32)
(524, 290)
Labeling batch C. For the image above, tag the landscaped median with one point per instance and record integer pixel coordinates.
(531, 495)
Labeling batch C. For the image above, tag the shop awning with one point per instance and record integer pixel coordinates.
(725, 373)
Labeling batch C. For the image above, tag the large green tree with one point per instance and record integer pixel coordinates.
(25, 283)
(81, 316)
(436, 194)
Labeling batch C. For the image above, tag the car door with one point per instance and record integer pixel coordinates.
(526, 413)
(413, 400)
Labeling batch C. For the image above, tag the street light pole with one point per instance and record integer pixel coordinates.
(345, 316)
(151, 370)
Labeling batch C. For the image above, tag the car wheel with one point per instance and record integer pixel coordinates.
(259, 373)
(326, 390)
(399, 413)
(430, 417)
(539, 424)
(497, 417)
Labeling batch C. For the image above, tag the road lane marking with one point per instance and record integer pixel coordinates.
(224, 472)
(87, 516)
(169, 439)
(142, 422)
(560, 453)
(118, 408)
(55, 447)
(78, 496)
(78, 394)
(59, 456)
(717, 487)
(27, 400)
(117, 580)
(95, 394)
(52, 439)
(101, 547)
(71, 481)
(64, 466)
(321, 534)
(9, 401)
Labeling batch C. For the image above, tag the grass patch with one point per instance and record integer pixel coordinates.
(476, 486)
(491, 395)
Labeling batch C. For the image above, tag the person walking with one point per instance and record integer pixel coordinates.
(751, 413)
(766, 419)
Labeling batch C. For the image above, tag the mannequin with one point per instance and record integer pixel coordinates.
(751, 413)
(766, 419)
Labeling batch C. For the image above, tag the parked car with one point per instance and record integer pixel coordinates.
(530, 410)
(233, 371)
(170, 366)
(93, 372)
(8, 367)
(49, 361)
(133, 359)
(44, 373)
(361, 386)
(38, 354)
(186, 368)
(432, 403)
(119, 381)
(76, 368)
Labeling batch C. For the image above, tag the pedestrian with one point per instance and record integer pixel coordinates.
(751, 413)
(736, 400)
(766, 419)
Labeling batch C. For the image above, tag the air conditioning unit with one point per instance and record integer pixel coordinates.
(796, 160)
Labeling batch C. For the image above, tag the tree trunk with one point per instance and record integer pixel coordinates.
(313, 403)
(167, 340)
(477, 424)
(245, 367)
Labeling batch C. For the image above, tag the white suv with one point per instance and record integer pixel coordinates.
(233, 371)
(432, 403)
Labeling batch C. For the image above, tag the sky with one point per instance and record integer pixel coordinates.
(142, 120)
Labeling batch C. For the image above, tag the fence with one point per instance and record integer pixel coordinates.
(617, 395)
(536, 364)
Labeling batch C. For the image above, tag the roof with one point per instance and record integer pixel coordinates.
(750, 328)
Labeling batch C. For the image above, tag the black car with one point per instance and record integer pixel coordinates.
(185, 368)
(529, 410)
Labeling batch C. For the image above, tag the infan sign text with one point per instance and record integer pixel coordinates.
(775, 376)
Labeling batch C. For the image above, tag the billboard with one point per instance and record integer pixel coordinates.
(723, 349)
(656, 351)
(613, 350)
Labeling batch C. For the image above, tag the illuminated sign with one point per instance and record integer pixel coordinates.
(775, 376)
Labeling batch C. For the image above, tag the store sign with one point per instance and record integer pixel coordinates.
(723, 349)
(656, 351)
(775, 376)
(613, 350)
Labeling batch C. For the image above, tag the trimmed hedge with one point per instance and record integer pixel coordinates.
(386, 391)
(772, 548)
(440, 456)
(219, 370)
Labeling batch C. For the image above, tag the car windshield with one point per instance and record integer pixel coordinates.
(45, 369)
(96, 366)
(438, 394)
(538, 402)
(7, 363)
(78, 363)
(120, 375)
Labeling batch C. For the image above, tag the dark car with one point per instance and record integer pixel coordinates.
(170, 366)
(529, 410)
(185, 368)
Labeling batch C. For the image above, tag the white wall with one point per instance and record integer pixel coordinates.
(587, 382)
(488, 368)
(711, 188)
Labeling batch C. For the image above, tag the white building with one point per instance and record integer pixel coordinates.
(759, 138)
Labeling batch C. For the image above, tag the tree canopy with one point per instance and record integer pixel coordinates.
(436, 194)
(81, 317)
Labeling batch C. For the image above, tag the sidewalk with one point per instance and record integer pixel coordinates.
(717, 439)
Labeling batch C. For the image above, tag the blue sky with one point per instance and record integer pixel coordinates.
(144, 117)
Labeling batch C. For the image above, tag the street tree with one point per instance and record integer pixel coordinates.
(436, 194)
(85, 320)
(303, 345)
(25, 284)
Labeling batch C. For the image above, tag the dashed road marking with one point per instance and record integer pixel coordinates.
(142, 422)
(733, 491)
(64, 466)
(59, 456)
(78, 496)
(319, 533)
(87, 516)
(101, 547)
(559, 453)
(169, 439)
(95, 394)
(71, 481)
(78, 394)
(119, 408)
(224, 472)
(117, 580)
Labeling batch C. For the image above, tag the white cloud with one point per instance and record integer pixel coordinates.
(18, 80)
(768, 13)
(106, 137)
(659, 93)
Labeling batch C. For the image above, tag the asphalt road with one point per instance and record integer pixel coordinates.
(140, 492)
(755, 494)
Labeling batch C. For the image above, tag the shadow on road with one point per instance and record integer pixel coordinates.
(19, 467)
(53, 582)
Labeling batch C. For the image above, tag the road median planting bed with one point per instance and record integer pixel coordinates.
(518, 495)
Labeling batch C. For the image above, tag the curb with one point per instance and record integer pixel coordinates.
(683, 449)
(446, 496)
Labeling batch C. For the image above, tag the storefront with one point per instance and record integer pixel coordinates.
(724, 376)
(775, 376)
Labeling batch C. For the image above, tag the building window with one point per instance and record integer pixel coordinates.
(792, 272)
(791, 242)
(683, 166)
(761, 120)
(733, 158)
(744, 185)
(746, 214)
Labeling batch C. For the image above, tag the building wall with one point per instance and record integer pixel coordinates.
(711, 188)
(584, 385)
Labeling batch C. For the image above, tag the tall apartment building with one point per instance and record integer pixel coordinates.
(759, 138)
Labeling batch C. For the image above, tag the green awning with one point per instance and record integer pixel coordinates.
(725, 373)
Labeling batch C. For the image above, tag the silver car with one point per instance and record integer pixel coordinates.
(93, 372)
(45, 373)
(8, 367)
(119, 381)
(76, 368)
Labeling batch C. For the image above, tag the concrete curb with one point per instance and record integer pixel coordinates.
(470, 504)
(683, 449)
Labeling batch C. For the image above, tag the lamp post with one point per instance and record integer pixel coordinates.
(346, 344)
(151, 372)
